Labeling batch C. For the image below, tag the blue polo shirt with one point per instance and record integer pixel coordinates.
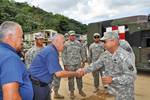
(12, 69)
(45, 64)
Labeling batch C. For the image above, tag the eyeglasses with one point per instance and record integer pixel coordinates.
(96, 37)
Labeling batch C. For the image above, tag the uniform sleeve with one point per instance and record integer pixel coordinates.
(52, 62)
(83, 54)
(27, 59)
(90, 55)
(95, 66)
(29, 55)
(129, 73)
(11, 71)
(64, 56)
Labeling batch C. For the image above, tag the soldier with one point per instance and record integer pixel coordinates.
(31, 53)
(66, 36)
(84, 47)
(49, 40)
(56, 80)
(72, 57)
(95, 51)
(119, 74)
(125, 45)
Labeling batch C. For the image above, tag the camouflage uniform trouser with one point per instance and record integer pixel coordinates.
(96, 76)
(56, 83)
(71, 79)
(124, 93)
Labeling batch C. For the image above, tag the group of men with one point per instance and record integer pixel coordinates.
(108, 56)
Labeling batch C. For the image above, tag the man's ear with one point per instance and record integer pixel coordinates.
(10, 36)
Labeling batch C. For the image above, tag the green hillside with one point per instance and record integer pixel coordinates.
(34, 19)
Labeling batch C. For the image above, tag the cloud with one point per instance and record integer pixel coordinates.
(87, 11)
(57, 6)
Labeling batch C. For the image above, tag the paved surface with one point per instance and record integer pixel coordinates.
(142, 88)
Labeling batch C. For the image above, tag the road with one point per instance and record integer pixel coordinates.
(142, 88)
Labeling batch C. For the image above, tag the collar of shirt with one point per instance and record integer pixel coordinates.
(54, 47)
(5, 45)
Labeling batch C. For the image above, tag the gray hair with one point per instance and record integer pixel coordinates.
(7, 27)
(55, 37)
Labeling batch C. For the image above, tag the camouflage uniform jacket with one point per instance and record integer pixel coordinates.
(84, 47)
(73, 53)
(120, 66)
(30, 54)
(95, 50)
(125, 45)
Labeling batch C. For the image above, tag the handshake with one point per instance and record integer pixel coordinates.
(80, 72)
(105, 79)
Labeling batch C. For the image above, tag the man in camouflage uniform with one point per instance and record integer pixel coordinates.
(120, 71)
(84, 47)
(72, 57)
(66, 36)
(56, 80)
(95, 50)
(31, 53)
(125, 45)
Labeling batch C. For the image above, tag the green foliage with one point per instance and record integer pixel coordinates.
(35, 19)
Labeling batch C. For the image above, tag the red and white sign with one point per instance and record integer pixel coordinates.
(121, 30)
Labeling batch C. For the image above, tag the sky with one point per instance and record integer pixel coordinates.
(89, 11)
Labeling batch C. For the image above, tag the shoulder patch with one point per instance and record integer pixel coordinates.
(130, 67)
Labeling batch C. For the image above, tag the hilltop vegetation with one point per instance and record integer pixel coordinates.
(33, 18)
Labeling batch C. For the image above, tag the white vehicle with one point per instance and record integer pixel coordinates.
(49, 33)
(29, 38)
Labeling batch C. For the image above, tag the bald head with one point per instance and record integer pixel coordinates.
(58, 41)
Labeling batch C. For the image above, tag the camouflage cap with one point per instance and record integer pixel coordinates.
(66, 34)
(50, 39)
(110, 35)
(38, 35)
(96, 34)
(72, 32)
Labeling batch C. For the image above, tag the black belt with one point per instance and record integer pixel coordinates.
(38, 82)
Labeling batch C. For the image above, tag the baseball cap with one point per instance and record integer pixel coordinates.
(66, 34)
(50, 38)
(110, 35)
(39, 35)
(71, 32)
(96, 34)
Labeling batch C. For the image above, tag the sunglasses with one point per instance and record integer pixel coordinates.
(96, 37)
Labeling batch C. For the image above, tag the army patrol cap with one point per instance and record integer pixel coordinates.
(38, 35)
(96, 34)
(50, 39)
(66, 34)
(72, 32)
(110, 35)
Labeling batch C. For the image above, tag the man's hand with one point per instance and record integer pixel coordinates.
(81, 72)
(106, 80)
(66, 68)
(65, 73)
(82, 64)
(11, 91)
